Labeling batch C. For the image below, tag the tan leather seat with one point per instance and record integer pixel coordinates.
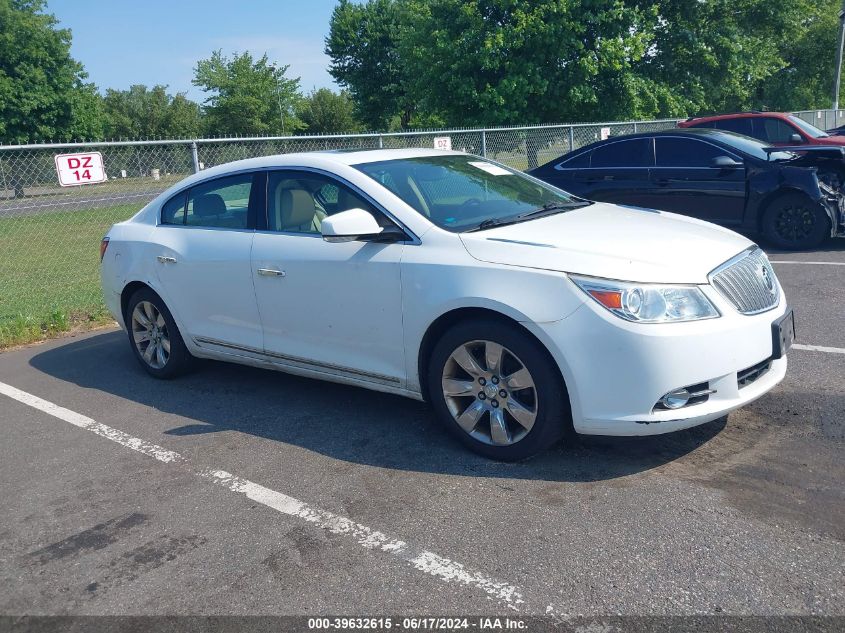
(296, 211)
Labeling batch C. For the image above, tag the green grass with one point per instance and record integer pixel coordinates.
(50, 272)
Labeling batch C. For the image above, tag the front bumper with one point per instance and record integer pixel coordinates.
(616, 371)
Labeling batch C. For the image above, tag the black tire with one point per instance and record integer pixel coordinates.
(179, 359)
(794, 222)
(549, 398)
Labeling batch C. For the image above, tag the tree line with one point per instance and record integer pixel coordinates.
(413, 63)
(45, 94)
(405, 64)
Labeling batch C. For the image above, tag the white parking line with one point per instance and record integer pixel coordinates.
(784, 261)
(419, 558)
(819, 348)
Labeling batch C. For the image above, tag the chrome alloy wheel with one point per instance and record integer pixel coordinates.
(490, 393)
(149, 331)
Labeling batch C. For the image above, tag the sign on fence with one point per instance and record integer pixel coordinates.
(80, 169)
(605, 133)
(443, 142)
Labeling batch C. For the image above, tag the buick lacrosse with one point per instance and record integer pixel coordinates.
(517, 310)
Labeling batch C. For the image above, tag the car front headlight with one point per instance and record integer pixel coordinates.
(648, 303)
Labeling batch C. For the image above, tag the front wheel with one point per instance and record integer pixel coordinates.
(795, 222)
(497, 390)
(154, 337)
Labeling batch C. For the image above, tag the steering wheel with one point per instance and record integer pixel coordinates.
(474, 202)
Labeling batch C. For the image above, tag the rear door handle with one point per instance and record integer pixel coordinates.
(271, 272)
(164, 259)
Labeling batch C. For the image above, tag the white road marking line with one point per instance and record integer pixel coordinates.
(819, 348)
(783, 261)
(421, 559)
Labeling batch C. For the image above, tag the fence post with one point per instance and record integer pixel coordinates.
(571, 138)
(635, 127)
(195, 157)
(381, 142)
(3, 174)
(484, 143)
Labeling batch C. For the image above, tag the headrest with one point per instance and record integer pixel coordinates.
(209, 204)
(297, 208)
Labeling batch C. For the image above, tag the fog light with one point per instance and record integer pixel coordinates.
(685, 397)
(675, 399)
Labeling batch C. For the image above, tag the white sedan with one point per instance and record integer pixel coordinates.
(515, 309)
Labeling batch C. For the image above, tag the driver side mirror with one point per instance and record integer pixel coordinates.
(360, 225)
(796, 138)
(725, 162)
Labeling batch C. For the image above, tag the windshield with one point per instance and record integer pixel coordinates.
(752, 146)
(461, 192)
(808, 129)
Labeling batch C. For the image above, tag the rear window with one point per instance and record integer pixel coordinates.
(580, 161)
(738, 126)
(633, 153)
(173, 211)
(219, 203)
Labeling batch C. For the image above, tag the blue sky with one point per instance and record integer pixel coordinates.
(124, 42)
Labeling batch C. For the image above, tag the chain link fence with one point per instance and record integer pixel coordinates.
(823, 119)
(49, 235)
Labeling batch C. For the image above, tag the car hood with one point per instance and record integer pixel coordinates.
(611, 241)
(829, 140)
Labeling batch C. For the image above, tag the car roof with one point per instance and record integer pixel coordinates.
(708, 133)
(738, 115)
(692, 132)
(325, 159)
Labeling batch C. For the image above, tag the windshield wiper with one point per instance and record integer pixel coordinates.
(550, 208)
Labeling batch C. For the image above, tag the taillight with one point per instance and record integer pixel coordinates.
(103, 246)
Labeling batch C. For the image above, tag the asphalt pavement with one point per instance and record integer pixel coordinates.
(241, 491)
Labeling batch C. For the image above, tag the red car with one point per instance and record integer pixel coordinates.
(774, 128)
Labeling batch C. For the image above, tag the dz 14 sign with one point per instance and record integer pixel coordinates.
(80, 169)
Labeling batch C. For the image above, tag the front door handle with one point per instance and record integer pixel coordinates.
(164, 259)
(271, 272)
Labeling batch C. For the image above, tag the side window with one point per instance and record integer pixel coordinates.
(739, 126)
(297, 202)
(684, 152)
(633, 153)
(580, 161)
(173, 211)
(220, 203)
(777, 131)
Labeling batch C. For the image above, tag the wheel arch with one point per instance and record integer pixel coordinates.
(126, 294)
(772, 197)
(458, 315)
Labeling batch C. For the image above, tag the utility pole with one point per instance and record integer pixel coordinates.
(839, 45)
(279, 91)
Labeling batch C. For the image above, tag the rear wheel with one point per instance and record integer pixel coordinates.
(496, 389)
(795, 222)
(154, 337)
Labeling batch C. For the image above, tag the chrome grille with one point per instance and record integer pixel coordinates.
(748, 282)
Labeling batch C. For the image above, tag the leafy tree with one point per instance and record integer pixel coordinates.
(363, 46)
(806, 79)
(43, 94)
(327, 112)
(247, 96)
(142, 112)
(493, 62)
(714, 56)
